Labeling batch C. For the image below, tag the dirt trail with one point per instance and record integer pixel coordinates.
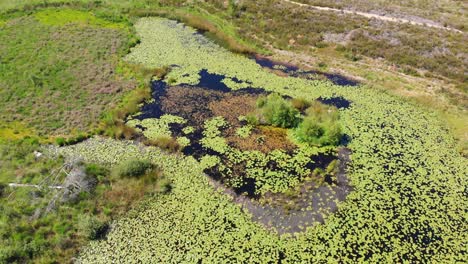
(379, 17)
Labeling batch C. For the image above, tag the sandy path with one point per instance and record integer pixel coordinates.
(375, 16)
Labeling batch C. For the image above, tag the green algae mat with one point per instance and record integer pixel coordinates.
(409, 195)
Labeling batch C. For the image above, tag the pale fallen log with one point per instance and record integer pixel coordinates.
(34, 185)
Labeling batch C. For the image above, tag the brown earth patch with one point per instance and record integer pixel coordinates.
(264, 139)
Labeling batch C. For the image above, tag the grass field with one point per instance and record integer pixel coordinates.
(58, 77)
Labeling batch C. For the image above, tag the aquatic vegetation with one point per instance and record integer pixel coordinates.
(244, 131)
(188, 130)
(154, 128)
(408, 201)
(212, 135)
(166, 42)
(183, 141)
(274, 172)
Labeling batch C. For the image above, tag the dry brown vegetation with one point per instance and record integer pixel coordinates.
(264, 139)
(164, 142)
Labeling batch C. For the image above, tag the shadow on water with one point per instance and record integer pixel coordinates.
(295, 71)
(338, 102)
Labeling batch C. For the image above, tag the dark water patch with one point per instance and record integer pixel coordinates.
(338, 102)
(153, 109)
(212, 81)
(345, 140)
(321, 161)
(236, 80)
(142, 128)
(101, 232)
(248, 187)
(275, 65)
(294, 71)
(339, 79)
(195, 149)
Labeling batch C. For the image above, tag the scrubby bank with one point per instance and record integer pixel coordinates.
(49, 225)
(409, 182)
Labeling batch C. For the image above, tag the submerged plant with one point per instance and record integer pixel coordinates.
(154, 128)
(244, 131)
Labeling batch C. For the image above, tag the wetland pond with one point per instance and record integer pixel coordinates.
(311, 182)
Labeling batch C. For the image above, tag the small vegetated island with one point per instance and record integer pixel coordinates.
(258, 167)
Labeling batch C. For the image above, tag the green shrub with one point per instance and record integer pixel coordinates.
(320, 126)
(300, 104)
(60, 141)
(132, 168)
(96, 171)
(90, 227)
(277, 111)
(252, 120)
(315, 132)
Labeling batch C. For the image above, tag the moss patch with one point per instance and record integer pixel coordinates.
(62, 17)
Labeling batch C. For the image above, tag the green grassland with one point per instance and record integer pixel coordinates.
(58, 70)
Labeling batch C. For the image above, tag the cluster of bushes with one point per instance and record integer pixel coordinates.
(313, 122)
(404, 45)
(61, 141)
(320, 126)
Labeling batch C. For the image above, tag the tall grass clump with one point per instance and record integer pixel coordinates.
(132, 168)
(276, 111)
(164, 142)
(113, 122)
(320, 126)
